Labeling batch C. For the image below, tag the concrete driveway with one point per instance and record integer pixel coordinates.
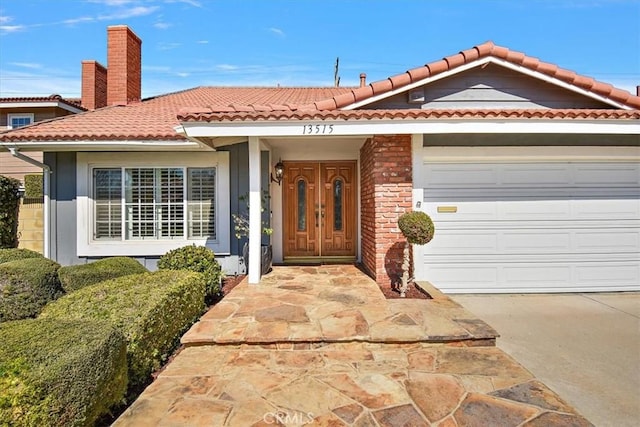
(586, 347)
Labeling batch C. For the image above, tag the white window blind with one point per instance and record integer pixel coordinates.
(150, 203)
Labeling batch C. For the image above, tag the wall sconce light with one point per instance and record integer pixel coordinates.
(279, 170)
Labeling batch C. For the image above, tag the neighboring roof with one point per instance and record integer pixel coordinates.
(155, 118)
(46, 101)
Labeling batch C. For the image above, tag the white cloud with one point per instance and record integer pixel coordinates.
(31, 65)
(227, 67)
(193, 3)
(277, 31)
(5, 29)
(168, 46)
(162, 25)
(113, 2)
(5, 19)
(13, 83)
(182, 74)
(129, 13)
(79, 20)
(203, 42)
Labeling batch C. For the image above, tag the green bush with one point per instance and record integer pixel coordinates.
(26, 285)
(74, 277)
(13, 254)
(416, 227)
(195, 258)
(59, 372)
(33, 186)
(151, 309)
(9, 205)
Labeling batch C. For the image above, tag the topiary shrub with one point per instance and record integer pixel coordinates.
(14, 254)
(26, 285)
(151, 309)
(75, 277)
(59, 372)
(418, 229)
(9, 206)
(33, 186)
(195, 258)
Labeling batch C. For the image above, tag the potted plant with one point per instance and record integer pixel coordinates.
(241, 226)
(418, 229)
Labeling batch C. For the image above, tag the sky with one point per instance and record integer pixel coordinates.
(189, 43)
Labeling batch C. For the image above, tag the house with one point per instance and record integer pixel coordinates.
(16, 112)
(22, 111)
(530, 172)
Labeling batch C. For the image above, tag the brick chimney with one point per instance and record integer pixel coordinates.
(124, 62)
(94, 85)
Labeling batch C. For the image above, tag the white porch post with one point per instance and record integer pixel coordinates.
(255, 214)
(418, 200)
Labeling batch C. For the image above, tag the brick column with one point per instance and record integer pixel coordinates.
(385, 194)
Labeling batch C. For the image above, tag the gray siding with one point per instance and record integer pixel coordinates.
(63, 206)
(510, 139)
(491, 87)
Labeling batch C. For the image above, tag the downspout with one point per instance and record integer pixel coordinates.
(46, 172)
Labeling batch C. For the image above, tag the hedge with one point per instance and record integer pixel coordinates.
(9, 205)
(151, 309)
(33, 186)
(57, 372)
(75, 277)
(14, 254)
(26, 285)
(195, 258)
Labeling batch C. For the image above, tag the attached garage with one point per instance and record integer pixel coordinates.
(531, 219)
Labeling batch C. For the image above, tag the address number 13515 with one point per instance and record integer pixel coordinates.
(317, 129)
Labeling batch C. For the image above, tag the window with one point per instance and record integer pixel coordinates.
(15, 121)
(145, 204)
(149, 203)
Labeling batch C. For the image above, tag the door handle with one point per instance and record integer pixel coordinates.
(316, 219)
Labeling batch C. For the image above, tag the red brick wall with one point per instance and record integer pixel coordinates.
(94, 85)
(386, 193)
(124, 62)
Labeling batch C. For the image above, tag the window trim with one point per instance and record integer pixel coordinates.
(86, 162)
(11, 116)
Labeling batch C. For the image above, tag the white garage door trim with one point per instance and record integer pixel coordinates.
(552, 226)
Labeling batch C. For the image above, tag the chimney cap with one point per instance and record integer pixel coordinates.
(363, 79)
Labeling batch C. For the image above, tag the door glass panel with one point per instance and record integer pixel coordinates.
(337, 204)
(302, 205)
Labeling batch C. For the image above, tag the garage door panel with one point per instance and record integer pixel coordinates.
(607, 175)
(525, 277)
(524, 174)
(533, 227)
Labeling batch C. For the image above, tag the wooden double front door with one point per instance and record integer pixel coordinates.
(319, 210)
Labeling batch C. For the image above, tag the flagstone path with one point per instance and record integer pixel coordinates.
(321, 346)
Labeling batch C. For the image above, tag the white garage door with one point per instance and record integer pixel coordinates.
(532, 227)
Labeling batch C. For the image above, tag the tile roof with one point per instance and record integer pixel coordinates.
(74, 102)
(588, 114)
(155, 118)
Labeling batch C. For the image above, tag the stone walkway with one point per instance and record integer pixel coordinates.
(322, 346)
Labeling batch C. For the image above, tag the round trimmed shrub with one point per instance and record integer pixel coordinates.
(75, 277)
(416, 227)
(14, 254)
(195, 258)
(27, 285)
(59, 372)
